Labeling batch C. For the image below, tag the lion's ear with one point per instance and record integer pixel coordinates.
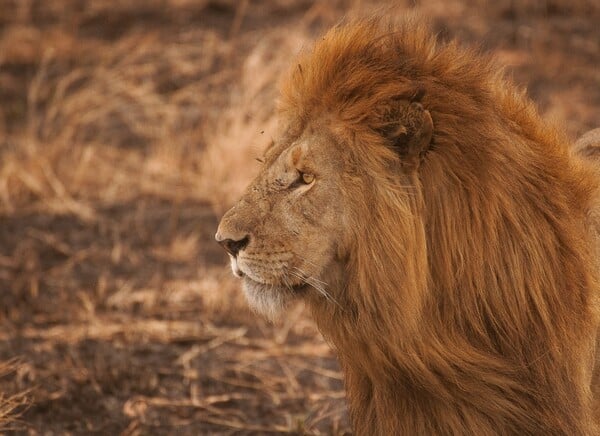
(409, 129)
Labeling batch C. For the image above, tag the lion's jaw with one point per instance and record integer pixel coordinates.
(268, 299)
(290, 219)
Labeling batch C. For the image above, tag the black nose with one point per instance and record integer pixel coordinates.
(234, 247)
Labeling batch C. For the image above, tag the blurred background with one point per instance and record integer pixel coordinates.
(126, 129)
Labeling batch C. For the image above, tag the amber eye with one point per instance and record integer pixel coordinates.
(307, 178)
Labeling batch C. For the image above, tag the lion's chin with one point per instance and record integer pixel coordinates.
(270, 301)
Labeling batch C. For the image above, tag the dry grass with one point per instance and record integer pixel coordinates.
(11, 406)
(126, 129)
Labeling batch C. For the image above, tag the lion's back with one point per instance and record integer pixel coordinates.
(588, 145)
(588, 148)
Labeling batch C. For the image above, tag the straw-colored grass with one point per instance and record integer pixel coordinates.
(126, 129)
(11, 406)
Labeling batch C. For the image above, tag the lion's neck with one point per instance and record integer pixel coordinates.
(451, 376)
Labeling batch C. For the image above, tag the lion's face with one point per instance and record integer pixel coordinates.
(284, 236)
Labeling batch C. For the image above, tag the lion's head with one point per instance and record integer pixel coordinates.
(319, 208)
(297, 226)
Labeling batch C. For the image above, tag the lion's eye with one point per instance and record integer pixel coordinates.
(307, 178)
(304, 180)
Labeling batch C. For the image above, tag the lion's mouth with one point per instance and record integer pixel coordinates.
(271, 287)
(255, 284)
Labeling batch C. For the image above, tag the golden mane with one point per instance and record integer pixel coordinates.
(470, 302)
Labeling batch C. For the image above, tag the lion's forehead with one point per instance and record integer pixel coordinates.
(276, 151)
(315, 141)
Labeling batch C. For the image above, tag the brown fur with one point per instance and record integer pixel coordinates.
(462, 265)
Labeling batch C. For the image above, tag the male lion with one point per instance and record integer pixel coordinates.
(438, 230)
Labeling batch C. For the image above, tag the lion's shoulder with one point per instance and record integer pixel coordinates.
(588, 145)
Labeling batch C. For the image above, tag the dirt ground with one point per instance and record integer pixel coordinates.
(126, 129)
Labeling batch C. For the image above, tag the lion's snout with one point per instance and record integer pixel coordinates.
(232, 235)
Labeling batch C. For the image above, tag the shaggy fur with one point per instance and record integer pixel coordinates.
(468, 293)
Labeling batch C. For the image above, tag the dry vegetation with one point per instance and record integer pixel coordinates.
(126, 129)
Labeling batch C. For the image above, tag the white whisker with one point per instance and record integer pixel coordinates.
(315, 283)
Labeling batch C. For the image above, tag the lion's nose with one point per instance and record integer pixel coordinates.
(232, 246)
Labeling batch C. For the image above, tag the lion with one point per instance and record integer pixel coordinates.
(440, 233)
